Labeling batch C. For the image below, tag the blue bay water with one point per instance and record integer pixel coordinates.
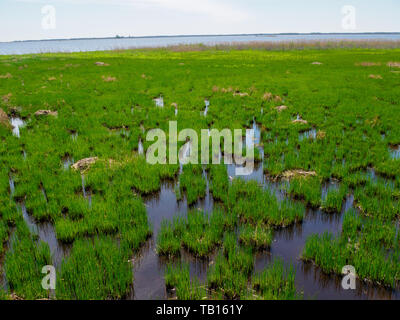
(82, 45)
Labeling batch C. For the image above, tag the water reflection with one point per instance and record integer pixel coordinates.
(395, 152)
(207, 104)
(159, 102)
(140, 147)
(67, 162)
(309, 134)
(16, 123)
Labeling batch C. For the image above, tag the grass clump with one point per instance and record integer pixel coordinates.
(104, 218)
(276, 282)
(255, 205)
(24, 263)
(192, 182)
(178, 277)
(333, 201)
(229, 275)
(258, 237)
(219, 182)
(199, 233)
(377, 200)
(371, 247)
(307, 189)
(95, 270)
(168, 240)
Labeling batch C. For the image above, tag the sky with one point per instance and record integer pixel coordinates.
(25, 20)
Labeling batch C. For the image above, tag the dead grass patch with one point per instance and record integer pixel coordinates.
(6, 76)
(109, 78)
(301, 121)
(101, 64)
(215, 89)
(321, 134)
(292, 174)
(46, 113)
(281, 108)
(84, 164)
(4, 119)
(393, 64)
(268, 96)
(240, 94)
(6, 98)
(226, 90)
(375, 76)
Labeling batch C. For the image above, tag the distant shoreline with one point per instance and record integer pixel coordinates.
(215, 35)
(198, 42)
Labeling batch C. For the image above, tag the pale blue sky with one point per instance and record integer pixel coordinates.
(22, 19)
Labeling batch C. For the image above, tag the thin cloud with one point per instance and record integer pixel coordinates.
(212, 8)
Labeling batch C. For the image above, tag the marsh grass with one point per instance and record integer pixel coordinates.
(219, 182)
(98, 269)
(285, 45)
(178, 277)
(198, 233)
(307, 189)
(107, 120)
(192, 183)
(258, 237)
(260, 206)
(377, 200)
(229, 275)
(372, 248)
(23, 265)
(333, 201)
(276, 282)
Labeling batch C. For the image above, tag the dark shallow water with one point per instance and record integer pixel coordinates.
(78, 45)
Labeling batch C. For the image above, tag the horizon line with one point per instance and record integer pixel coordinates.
(208, 35)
